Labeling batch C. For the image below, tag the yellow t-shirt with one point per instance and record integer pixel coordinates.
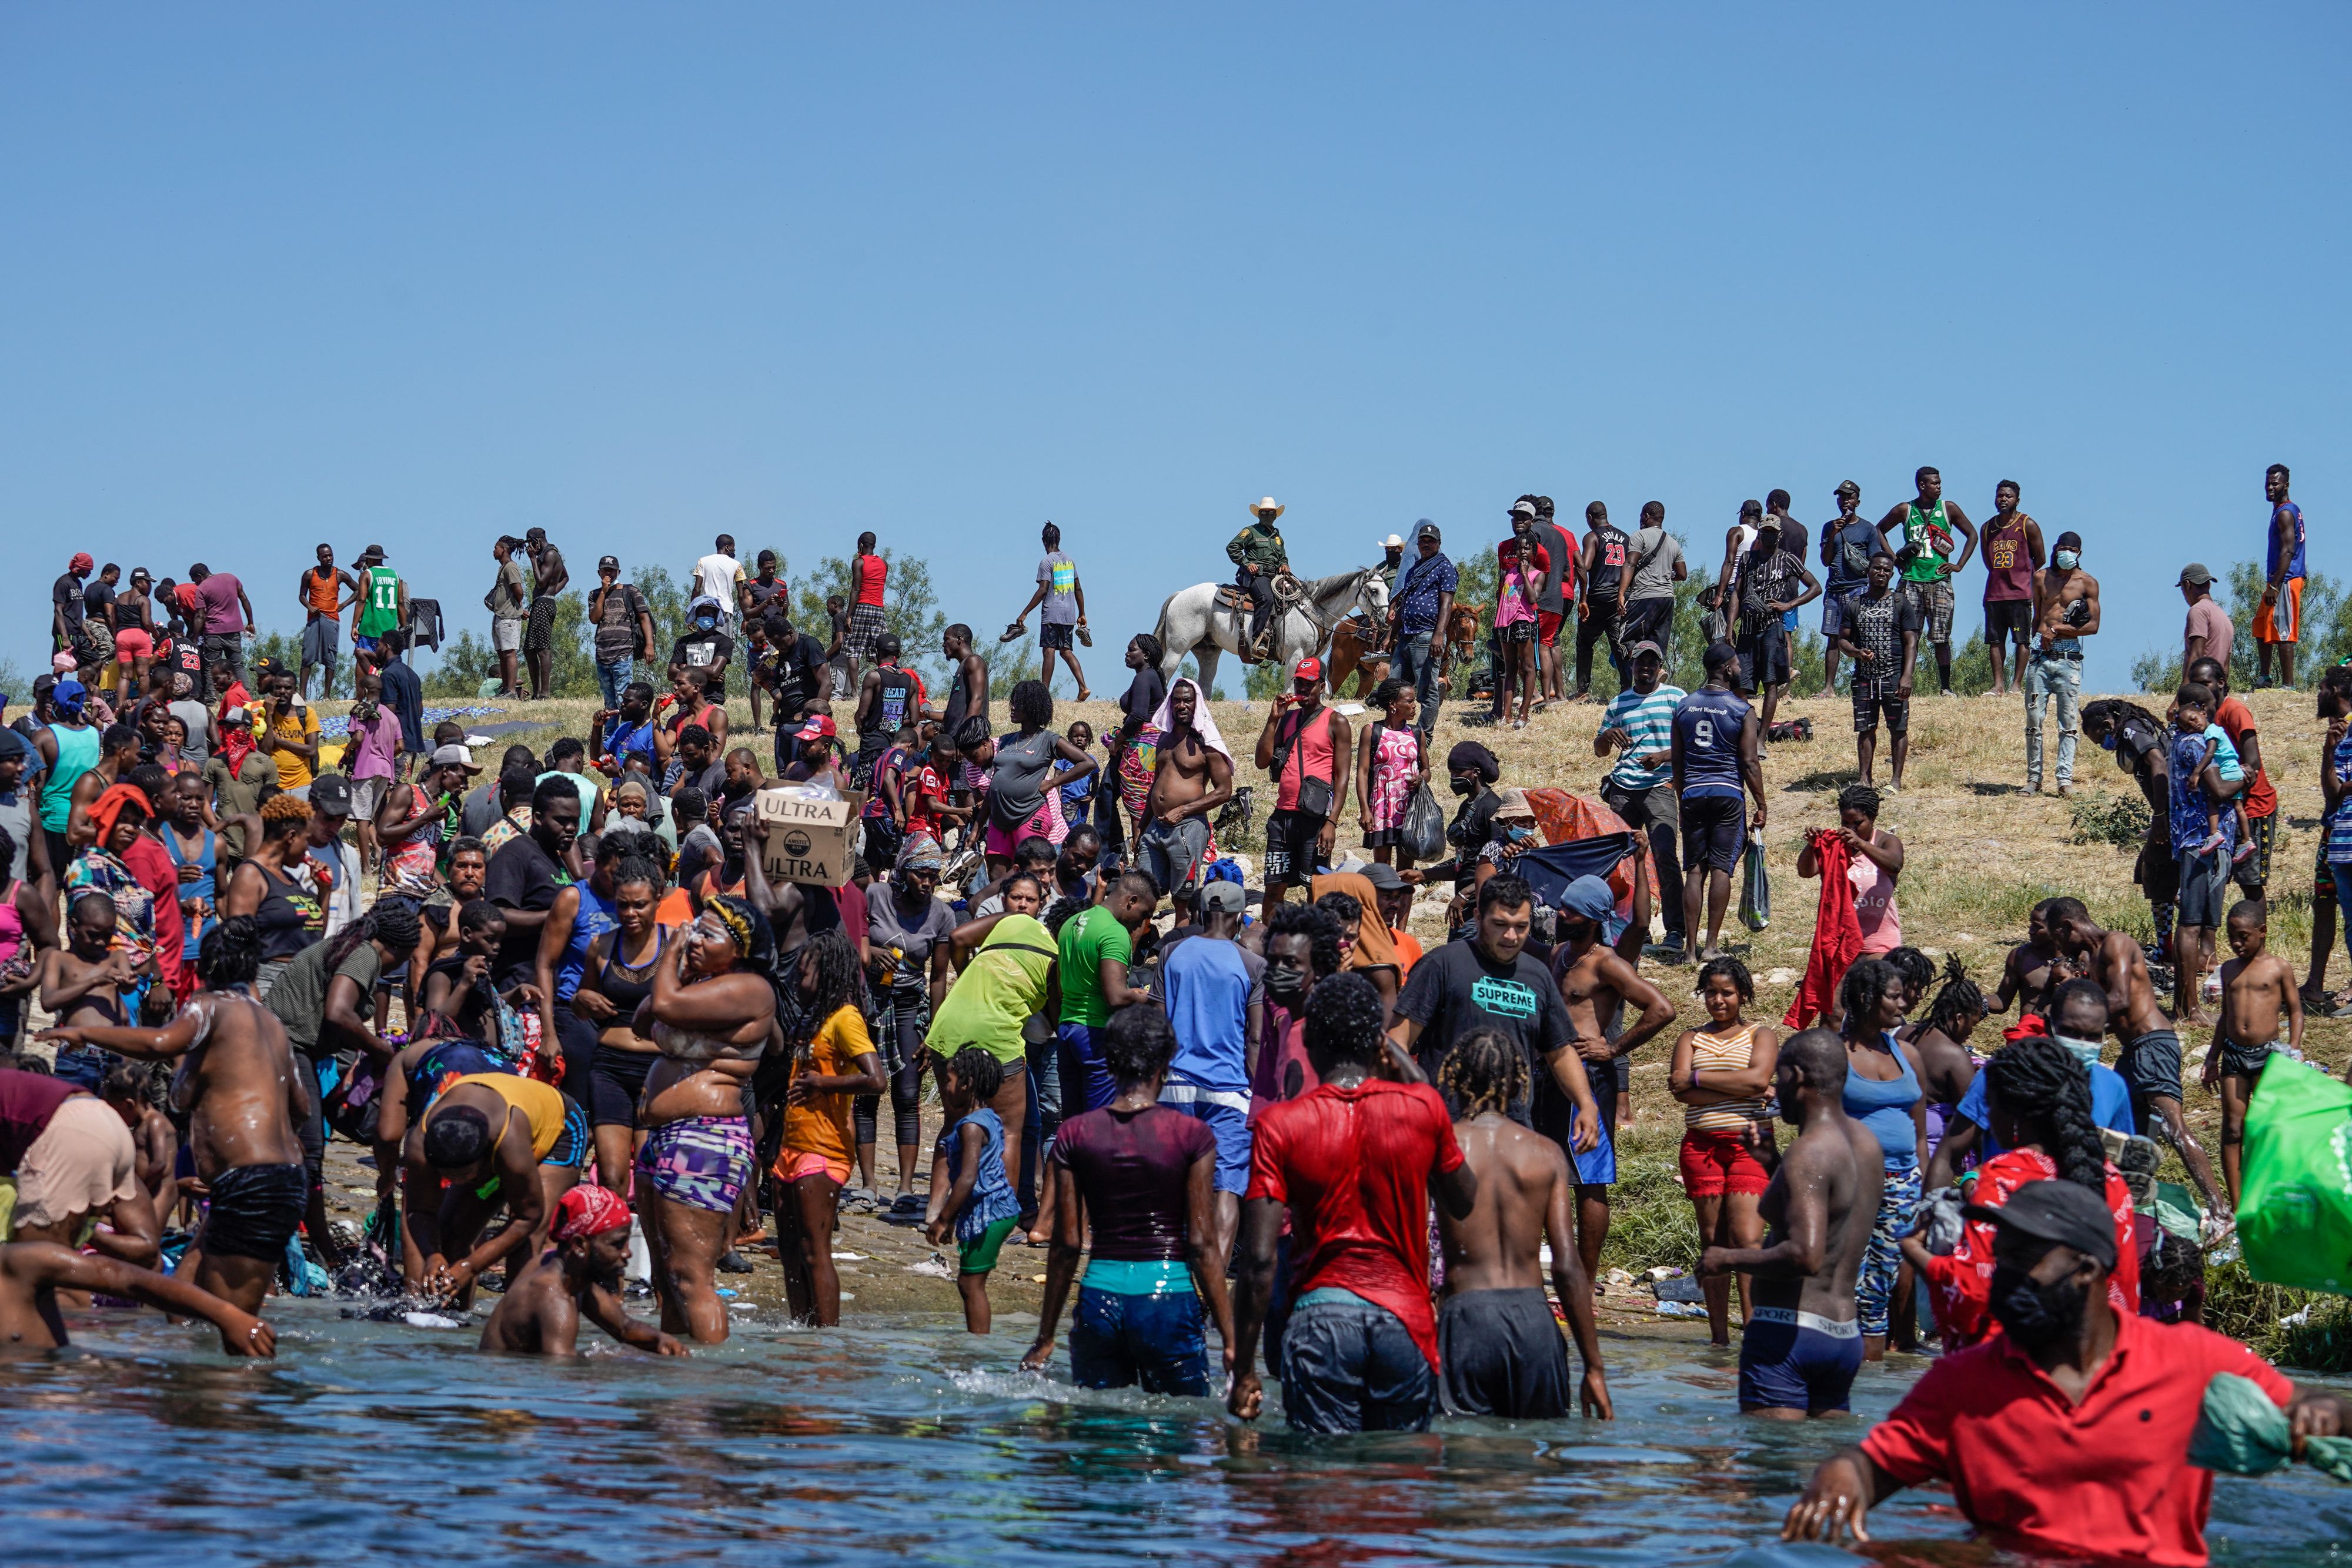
(821, 1126)
(540, 1103)
(301, 725)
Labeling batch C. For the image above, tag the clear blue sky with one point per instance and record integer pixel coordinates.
(640, 274)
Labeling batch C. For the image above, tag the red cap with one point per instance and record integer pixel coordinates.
(588, 1212)
(1310, 668)
(820, 726)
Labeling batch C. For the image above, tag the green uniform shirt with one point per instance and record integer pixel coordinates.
(1087, 939)
(1930, 564)
(1259, 548)
(379, 602)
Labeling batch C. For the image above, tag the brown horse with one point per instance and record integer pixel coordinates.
(1353, 652)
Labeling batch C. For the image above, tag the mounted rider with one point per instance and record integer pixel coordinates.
(1260, 559)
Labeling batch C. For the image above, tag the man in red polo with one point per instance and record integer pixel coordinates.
(2067, 1432)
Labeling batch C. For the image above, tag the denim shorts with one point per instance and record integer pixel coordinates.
(1118, 1341)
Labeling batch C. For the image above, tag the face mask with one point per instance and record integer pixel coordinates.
(2109, 742)
(2036, 1316)
(2067, 560)
(1514, 832)
(1464, 786)
(1285, 983)
(2086, 1051)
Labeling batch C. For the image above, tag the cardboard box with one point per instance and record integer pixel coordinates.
(810, 841)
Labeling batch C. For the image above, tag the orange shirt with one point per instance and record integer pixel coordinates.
(821, 1124)
(324, 596)
(1408, 951)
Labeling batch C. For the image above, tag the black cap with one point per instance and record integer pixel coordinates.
(331, 793)
(1384, 878)
(609, 563)
(1719, 656)
(2066, 1212)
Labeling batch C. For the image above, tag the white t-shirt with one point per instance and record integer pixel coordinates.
(716, 575)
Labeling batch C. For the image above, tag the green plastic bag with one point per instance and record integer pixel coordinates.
(2294, 1211)
(2241, 1431)
(1755, 888)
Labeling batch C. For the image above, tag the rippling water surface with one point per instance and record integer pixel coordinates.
(373, 1444)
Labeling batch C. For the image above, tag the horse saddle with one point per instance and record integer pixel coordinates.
(1232, 596)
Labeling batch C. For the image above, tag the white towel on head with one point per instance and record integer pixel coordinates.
(1203, 724)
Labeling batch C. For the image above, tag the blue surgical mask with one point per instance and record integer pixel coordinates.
(1515, 832)
(2086, 1051)
(2067, 560)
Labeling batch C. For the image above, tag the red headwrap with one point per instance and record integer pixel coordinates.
(588, 1212)
(81, 561)
(109, 809)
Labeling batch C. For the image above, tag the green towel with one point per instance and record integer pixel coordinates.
(2241, 1431)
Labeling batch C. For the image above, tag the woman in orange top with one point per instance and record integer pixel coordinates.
(836, 1065)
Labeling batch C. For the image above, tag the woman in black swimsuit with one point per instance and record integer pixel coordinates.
(615, 980)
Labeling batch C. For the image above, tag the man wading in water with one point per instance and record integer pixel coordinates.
(1495, 1338)
(578, 1275)
(1803, 1342)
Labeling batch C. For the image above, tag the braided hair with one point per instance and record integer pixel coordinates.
(1918, 972)
(830, 964)
(1859, 797)
(1959, 997)
(2040, 1081)
(1861, 992)
(1483, 1070)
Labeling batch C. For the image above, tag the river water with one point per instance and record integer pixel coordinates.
(370, 1444)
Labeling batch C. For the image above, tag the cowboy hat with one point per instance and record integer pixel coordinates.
(1260, 509)
(1393, 542)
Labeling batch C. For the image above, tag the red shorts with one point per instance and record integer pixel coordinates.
(1547, 627)
(1715, 1162)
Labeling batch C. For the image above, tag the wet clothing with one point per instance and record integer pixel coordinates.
(254, 1210)
(1350, 1364)
(1502, 1356)
(703, 1162)
(1133, 1168)
(1791, 1360)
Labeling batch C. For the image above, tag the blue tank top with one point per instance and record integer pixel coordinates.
(206, 861)
(1885, 1107)
(1708, 723)
(2294, 566)
(594, 918)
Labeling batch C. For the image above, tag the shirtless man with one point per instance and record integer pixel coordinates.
(82, 982)
(1193, 777)
(2065, 610)
(2034, 969)
(1498, 1348)
(1596, 982)
(245, 1103)
(2257, 985)
(32, 1273)
(578, 1275)
(2150, 1059)
(1803, 1342)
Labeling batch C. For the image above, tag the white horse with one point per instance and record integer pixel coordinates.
(1192, 622)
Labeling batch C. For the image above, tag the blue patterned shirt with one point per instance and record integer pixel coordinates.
(2339, 827)
(1429, 581)
(2190, 808)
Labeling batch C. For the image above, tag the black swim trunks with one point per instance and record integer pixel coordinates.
(2150, 1066)
(2244, 1061)
(1500, 1353)
(255, 1210)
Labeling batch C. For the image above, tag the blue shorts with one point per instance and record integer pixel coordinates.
(1230, 1125)
(1795, 1361)
(1118, 1341)
(1788, 620)
(365, 644)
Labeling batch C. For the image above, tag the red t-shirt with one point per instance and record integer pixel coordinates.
(2109, 1478)
(920, 789)
(1354, 1166)
(151, 864)
(870, 571)
(1962, 1282)
(2235, 718)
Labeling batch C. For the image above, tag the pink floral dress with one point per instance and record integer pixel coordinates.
(1396, 758)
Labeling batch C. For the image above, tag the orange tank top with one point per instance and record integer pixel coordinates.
(321, 596)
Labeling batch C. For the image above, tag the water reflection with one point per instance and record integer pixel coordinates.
(370, 1443)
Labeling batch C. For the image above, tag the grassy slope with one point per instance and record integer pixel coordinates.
(1980, 853)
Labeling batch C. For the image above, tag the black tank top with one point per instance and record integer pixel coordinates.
(285, 915)
(894, 701)
(626, 986)
(1609, 558)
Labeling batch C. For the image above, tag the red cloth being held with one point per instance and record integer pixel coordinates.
(1837, 934)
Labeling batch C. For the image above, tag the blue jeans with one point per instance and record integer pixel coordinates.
(2046, 678)
(1350, 1366)
(1118, 1341)
(1085, 1074)
(1416, 661)
(613, 679)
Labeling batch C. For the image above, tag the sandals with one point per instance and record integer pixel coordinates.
(906, 1208)
(860, 1200)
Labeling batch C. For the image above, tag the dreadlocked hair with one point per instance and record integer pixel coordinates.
(830, 964)
(394, 922)
(2113, 712)
(1957, 999)
(2040, 1081)
(1482, 1070)
(1918, 972)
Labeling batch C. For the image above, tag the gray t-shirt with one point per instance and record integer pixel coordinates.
(507, 591)
(886, 927)
(299, 1000)
(199, 720)
(1656, 553)
(1016, 790)
(1057, 574)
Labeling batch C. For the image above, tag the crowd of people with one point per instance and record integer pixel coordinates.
(570, 1000)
